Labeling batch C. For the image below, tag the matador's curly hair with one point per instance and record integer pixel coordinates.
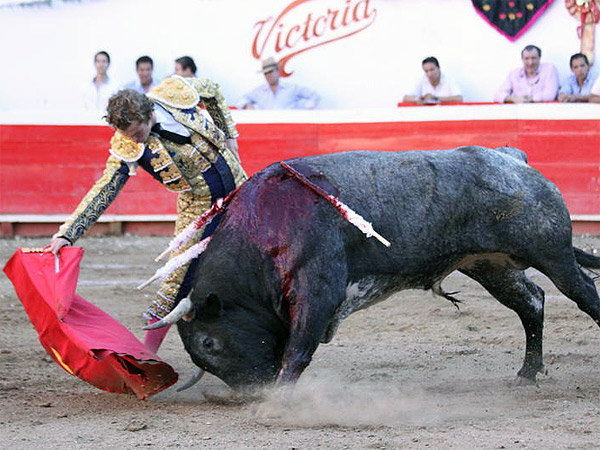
(126, 107)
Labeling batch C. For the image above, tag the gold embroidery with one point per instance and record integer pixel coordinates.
(180, 185)
(124, 148)
(95, 202)
(189, 207)
(208, 151)
(199, 124)
(175, 92)
(216, 105)
(162, 158)
(161, 161)
(192, 164)
(170, 173)
(154, 144)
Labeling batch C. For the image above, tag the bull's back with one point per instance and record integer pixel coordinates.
(362, 175)
(429, 204)
(430, 185)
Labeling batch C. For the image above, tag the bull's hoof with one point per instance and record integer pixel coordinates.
(277, 403)
(225, 398)
(269, 410)
(272, 408)
(525, 381)
(528, 375)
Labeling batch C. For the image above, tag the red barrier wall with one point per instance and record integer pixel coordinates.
(46, 169)
(566, 152)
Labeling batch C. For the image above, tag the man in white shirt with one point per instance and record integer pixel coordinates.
(102, 87)
(276, 94)
(434, 87)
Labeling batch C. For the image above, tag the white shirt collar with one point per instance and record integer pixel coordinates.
(168, 122)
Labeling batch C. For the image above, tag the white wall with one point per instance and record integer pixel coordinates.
(46, 53)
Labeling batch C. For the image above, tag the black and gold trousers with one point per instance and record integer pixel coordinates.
(220, 180)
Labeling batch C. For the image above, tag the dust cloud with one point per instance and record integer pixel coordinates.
(326, 400)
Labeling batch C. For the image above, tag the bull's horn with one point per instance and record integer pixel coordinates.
(185, 307)
(193, 380)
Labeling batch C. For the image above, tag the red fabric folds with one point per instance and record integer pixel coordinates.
(84, 340)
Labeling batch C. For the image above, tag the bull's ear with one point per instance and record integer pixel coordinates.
(212, 306)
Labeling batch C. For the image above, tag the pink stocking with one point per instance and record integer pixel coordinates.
(154, 338)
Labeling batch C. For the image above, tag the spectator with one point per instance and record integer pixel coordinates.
(578, 85)
(144, 67)
(434, 87)
(102, 86)
(185, 67)
(276, 94)
(165, 134)
(534, 82)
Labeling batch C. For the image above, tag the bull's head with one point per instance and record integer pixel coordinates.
(242, 347)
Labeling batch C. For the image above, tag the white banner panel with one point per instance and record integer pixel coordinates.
(355, 53)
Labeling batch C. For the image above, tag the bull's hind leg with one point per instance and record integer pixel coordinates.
(514, 290)
(565, 273)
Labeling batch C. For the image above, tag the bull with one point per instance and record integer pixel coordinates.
(284, 268)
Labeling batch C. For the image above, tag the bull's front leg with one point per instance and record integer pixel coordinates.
(313, 297)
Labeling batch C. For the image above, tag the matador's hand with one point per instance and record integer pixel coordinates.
(56, 244)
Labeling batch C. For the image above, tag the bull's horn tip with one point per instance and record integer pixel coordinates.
(154, 325)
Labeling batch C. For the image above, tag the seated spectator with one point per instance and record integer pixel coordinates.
(185, 67)
(144, 67)
(434, 87)
(102, 87)
(578, 85)
(277, 94)
(534, 82)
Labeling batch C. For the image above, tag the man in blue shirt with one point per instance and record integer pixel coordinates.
(144, 67)
(577, 87)
(276, 94)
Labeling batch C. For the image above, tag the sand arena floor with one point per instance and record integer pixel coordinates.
(412, 372)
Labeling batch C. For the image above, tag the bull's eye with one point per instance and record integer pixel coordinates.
(208, 343)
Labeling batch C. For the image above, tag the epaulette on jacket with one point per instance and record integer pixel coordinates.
(175, 92)
(125, 149)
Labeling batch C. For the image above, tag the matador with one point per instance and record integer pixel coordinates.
(167, 134)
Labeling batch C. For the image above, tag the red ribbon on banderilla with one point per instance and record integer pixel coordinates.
(188, 233)
(355, 219)
(219, 206)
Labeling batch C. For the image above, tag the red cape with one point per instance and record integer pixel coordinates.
(81, 338)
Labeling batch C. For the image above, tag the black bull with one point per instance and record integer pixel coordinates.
(284, 268)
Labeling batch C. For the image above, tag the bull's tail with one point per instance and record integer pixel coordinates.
(586, 260)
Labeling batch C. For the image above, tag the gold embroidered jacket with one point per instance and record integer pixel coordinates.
(179, 167)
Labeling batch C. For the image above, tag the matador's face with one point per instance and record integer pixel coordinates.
(138, 131)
